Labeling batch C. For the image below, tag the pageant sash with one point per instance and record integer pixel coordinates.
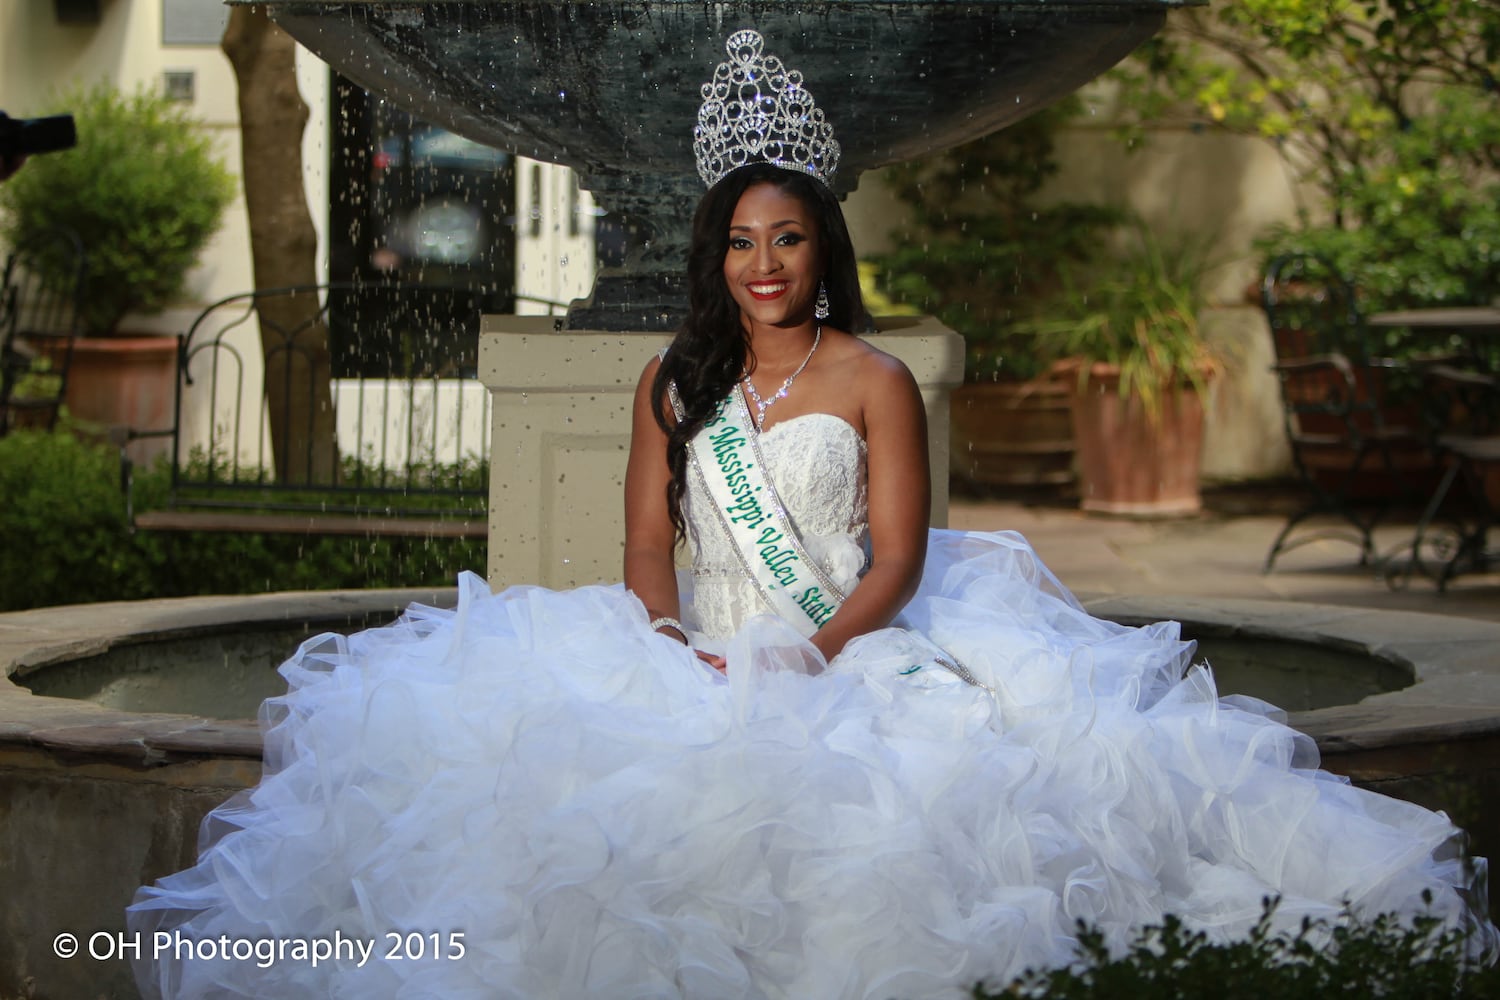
(726, 453)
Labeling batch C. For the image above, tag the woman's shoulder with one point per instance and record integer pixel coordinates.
(645, 388)
(652, 366)
(869, 364)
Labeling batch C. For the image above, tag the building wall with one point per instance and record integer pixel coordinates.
(554, 238)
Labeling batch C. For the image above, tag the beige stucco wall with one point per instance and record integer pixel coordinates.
(40, 55)
(1224, 188)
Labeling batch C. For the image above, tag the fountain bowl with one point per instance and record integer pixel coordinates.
(611, 88)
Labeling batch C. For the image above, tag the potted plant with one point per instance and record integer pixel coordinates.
(145, 192)
(982, 253)
(1126, 335)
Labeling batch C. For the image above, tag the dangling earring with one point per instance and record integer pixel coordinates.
(821, 309)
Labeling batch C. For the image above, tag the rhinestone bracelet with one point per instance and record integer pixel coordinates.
(657, 624)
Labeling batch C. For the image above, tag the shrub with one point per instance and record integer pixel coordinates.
(63, 535)
(1386, 110)
(1429, 229)
(64, 539)
(142, 189)
(1334, 86)
(984, 252)
(1384, 957)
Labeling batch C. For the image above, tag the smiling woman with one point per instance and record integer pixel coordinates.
(773, 298)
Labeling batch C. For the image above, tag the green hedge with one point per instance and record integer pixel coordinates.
(1383, 957)
(64, 540)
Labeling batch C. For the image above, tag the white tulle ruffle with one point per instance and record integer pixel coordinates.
(598, 813)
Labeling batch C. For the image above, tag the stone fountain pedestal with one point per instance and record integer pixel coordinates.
(561, 435)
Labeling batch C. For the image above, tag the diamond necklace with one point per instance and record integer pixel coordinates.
(762, 405)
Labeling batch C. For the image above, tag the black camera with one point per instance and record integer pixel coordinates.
(28, 136)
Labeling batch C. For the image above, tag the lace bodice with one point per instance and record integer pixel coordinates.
(817, 464)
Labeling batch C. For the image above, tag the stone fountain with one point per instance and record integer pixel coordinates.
(611, 88)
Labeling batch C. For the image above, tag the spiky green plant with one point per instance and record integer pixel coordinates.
(1137, 310)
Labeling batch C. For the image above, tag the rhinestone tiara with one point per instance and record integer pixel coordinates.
(756, 110)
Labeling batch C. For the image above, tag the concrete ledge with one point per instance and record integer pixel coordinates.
(1456, 663)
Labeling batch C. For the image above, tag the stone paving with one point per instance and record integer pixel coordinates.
(1219, 555)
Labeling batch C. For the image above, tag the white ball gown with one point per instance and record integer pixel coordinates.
(596, 813)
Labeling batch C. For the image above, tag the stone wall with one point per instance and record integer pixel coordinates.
(76, 841)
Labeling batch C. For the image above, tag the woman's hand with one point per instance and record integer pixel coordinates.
(678, 635)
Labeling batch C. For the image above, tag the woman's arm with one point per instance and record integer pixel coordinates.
(650, 569)
(900, 495)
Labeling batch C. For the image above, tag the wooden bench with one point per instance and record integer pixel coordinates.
(307, 524)
(315, 411)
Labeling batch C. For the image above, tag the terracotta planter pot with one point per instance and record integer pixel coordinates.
(1012, 433)
(1130, 464)
(125, 382)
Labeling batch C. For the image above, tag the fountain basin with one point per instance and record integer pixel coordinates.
(225, 672)
(612, 86)
(219, 674)
(97, 800)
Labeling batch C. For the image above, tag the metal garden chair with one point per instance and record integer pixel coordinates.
(1356, 454)
(40, 298)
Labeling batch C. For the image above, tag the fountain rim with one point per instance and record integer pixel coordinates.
(1446, 655)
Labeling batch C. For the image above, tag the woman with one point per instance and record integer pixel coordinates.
(839, 757)
(766, 243)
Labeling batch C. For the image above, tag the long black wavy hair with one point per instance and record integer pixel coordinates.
(712, 349)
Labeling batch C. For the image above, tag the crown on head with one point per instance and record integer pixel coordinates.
(756, 110)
